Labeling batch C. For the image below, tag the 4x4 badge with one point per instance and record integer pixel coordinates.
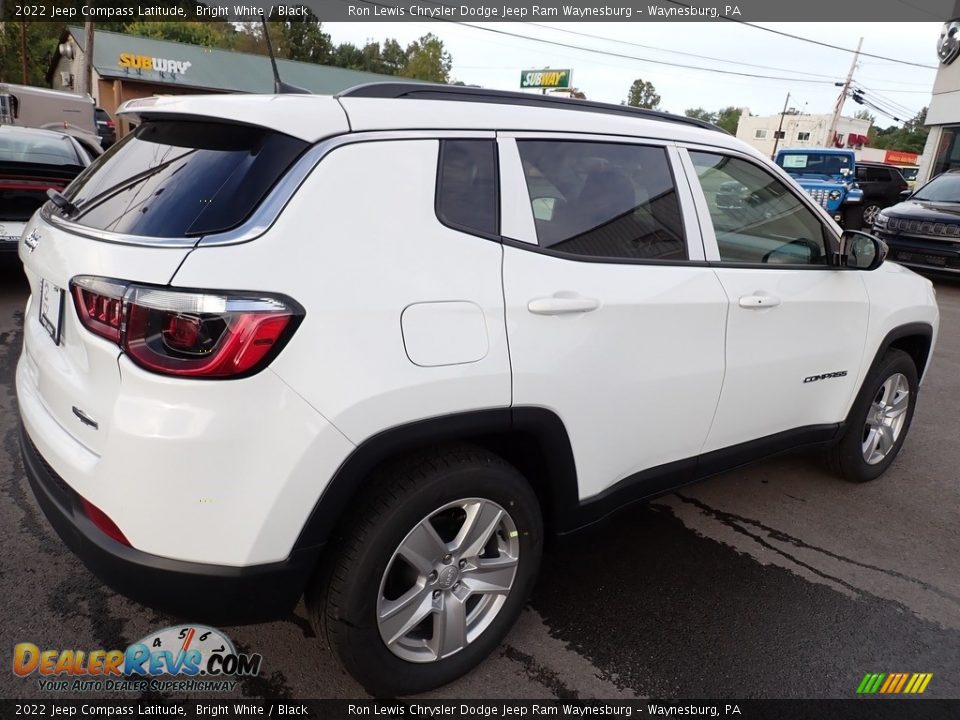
(32, 240)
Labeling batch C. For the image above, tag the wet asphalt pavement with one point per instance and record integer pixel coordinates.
(778, 580)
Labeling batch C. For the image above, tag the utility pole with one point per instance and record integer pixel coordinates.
(23, 50)
(87, 74)
(843, 96)
(776, 135)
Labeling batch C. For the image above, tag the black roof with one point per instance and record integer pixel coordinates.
(423, 91)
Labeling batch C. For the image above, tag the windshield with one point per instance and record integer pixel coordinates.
(814, 163)
(37, 149)
(944, 188)
(182, 178)
(909, 173)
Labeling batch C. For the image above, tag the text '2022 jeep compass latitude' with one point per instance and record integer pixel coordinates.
(373, 348)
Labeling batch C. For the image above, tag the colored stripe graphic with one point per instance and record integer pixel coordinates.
(894, 683)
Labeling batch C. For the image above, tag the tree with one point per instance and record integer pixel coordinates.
(427, 59)
(643, 95)
(41, 43)
(912, 137)
(302, 39)
(728, 119)
(865, 115)
(208, 34)
(347, 55)
(701, 114)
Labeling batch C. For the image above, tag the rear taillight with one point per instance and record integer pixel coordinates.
(100, 305)
(184, 332)
(111, 124)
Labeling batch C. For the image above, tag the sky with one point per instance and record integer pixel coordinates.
(495, 60)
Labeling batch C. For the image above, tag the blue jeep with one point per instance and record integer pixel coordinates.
(829, 176)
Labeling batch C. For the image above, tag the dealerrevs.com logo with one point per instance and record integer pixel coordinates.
(176, 659)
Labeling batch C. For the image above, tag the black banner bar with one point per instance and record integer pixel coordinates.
(224, 709)
(549, 11)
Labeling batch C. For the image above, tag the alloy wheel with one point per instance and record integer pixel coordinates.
(870, 213)
(448, 580)
(886, 418)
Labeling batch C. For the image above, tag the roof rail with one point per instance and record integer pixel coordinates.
(460, 93)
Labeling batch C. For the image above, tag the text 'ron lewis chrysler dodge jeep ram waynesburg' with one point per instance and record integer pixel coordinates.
(374, 348)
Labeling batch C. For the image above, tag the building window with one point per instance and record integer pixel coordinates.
(779, 135)
(948, 151)
(761, 135)
(803, 137)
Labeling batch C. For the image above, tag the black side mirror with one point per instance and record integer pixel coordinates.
(905, 195)
(862, 251)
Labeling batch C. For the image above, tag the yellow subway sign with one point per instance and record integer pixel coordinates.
(545, 78)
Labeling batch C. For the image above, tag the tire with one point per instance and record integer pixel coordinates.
(380, 563)
(871, 209)
(885, 386)
(852, 218)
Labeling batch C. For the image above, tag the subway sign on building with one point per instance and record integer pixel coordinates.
(546, 78)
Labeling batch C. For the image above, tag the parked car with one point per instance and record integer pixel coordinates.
(270, 359)
(106, 128)
(32, 162)
(882, 186)
(910, 175)
(829, 175)
(45, 109)
(923, 231)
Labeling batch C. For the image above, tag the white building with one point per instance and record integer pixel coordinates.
(800, 130)
(942, 151)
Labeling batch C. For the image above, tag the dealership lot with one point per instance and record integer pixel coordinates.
(777, 580)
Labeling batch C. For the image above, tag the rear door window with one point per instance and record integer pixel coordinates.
(603, 200)
(182, 179)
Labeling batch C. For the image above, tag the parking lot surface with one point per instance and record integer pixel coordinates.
(777, 580)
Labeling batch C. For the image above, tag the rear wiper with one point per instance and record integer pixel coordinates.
(89, 203)
(68, 208)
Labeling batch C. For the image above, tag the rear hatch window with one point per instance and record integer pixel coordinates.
(30, 163)
(181, 178)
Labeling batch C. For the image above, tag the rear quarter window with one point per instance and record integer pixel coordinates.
(182, 178)
(467, 189)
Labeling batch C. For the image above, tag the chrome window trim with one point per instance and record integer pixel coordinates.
(269, 210)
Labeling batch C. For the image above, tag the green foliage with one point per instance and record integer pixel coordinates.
(643, 95)
(700, 114)
(208, 34)
(728, 118)
(910, 138)
(427, 60)
(864, 115)
(41, 42)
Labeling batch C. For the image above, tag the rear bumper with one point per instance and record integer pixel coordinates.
(213, 593)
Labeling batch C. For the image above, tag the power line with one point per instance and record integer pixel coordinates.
(624, 56)
(814, 42)
(609, 53)
(678, 52)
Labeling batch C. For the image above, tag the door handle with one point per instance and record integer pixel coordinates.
(562, 303)
(754, 302)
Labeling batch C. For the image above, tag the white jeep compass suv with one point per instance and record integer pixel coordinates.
(375, 348)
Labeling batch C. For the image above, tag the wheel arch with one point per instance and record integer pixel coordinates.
(915, 339)
(533, 439)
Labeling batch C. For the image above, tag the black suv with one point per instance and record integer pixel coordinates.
(923, 231)
(881, 185)
(106, 128)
